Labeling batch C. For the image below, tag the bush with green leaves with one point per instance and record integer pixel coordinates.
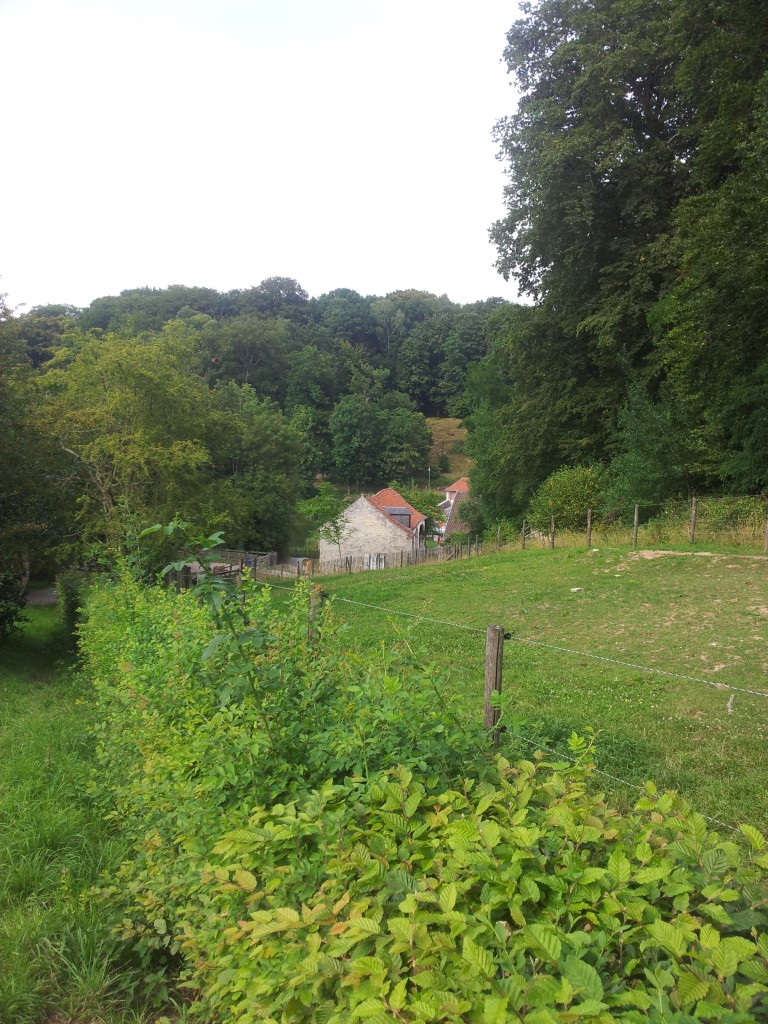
(567, 494)
(12, 601)
(317, 837)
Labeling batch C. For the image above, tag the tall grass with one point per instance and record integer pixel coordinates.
(60, 959)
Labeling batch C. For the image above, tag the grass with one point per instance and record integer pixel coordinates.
(448, 437)
(702, 615)
(60, 961)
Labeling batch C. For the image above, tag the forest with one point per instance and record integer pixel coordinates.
(637, 223)
(636, 227)
(221, 408)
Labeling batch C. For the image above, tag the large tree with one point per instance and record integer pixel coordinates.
(636, 221)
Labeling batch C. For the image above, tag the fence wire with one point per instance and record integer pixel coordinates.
(564, 650)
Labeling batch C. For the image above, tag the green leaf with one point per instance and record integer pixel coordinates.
(669, 937)
(709, 937)
(545, 940)
(368, 1008)
(652, 874)
(365, 965)
(724, 960)
(478, 958)
(715, 912)
(756, 838)
(491, 833)
(691, 989)
(398, 995)
(757, 970)
(494, 1010)
(447, 897)
(584, 978)
(246, 880)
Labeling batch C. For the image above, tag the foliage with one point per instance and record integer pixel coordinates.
(324, 510)
(12, 601)
(71, 586)
(61, 957)
(613, 603)
(424, 501)
(378, 436)
(566, 495)
(635, 219)
(295, 873)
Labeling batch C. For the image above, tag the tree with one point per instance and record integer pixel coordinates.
(598, 159)
(36, 500)
(377, 435)
(325, 511)
(257, 453)
(131, 418)
(253, 350)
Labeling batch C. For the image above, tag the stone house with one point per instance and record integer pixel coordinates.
(378, 529)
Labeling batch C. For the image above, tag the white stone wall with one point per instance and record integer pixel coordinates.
(369, 533)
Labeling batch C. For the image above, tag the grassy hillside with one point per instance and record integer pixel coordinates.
(703, 616)
(448, 437)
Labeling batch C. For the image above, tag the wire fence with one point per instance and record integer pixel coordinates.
(569, 651)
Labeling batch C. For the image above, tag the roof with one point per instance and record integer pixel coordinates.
(390, 504)
(461, 486)
(455, 523)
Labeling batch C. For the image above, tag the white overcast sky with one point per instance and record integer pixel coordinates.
(344, 143)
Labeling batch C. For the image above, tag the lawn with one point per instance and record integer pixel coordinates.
(60, 961)
(699, 615)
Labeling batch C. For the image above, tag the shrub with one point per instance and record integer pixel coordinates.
(567, 494)
(70, 591)
(12, 601)
(317, 838)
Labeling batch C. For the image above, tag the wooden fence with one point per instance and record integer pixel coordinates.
(299, 567)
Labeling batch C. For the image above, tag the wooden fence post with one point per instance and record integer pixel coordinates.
(692, 527)
(765, 542)
(498, 538)
(589, 527)
(316, 598)
(494, 660)
(552, 533)
(522, 539)
(635, 525)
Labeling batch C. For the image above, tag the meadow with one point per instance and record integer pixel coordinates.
(700, 615)
(60, 960)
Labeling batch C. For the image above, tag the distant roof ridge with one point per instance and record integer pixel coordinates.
(462, 484)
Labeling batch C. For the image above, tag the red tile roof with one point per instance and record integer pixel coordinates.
(461, 486)
(390, 498)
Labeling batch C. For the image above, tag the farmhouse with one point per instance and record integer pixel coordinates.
(377, 529)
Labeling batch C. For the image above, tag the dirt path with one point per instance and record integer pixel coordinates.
(46, 596)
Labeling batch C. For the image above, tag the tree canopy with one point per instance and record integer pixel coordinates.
(636, 221)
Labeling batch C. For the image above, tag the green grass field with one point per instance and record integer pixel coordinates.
(59, 961)
(699, 615)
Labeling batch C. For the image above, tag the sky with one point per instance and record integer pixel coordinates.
(343, 143)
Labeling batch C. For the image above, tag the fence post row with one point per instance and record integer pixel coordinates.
(494, 660)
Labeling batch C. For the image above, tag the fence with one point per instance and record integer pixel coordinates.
(226, 563)
(732, 521)
(497, 640)
(299, 567)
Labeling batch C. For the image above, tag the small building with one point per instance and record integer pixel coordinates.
(454, 495)
(379, 529)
